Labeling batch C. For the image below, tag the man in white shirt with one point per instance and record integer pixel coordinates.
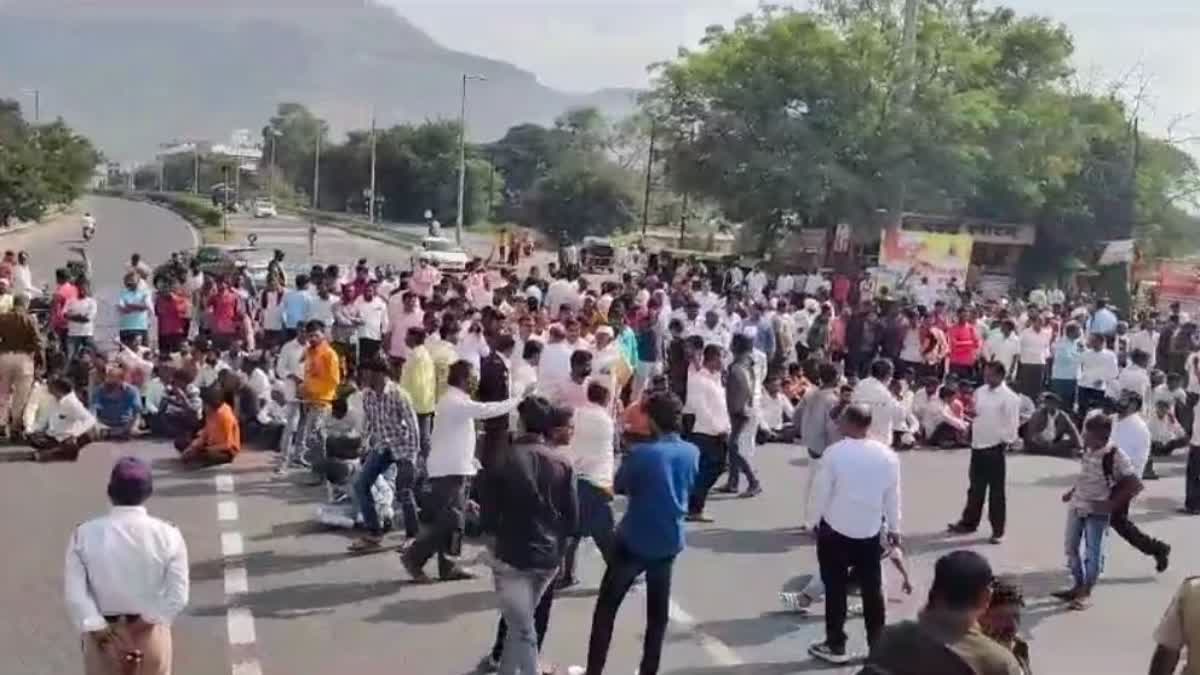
(856, 495)
(1145, 338)
(22, 282)
(1132, 437)
(69, 426)
(554, 367)
(450, 465)
(710, 432)
(1136, 378)
(885, 408)
(925, 294)
(1098, 373)
(126, 579)
(1033, 349)
(373, 313)
(1004, 347)
(997, 419)
(593, 457)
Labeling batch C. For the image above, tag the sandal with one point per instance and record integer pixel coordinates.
(365, 545)
(1079, 604)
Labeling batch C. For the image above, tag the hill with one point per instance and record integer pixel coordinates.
(137, 73)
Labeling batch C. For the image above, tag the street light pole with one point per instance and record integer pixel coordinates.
(195, 168)
(462, 155)
(372, 195)
(316, 196)
(271, 178)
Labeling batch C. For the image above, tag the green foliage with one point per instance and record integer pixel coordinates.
(40, 165)
(806, 115)
(579, 198)
(196, 210)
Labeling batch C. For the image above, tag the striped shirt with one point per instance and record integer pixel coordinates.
(391, 422)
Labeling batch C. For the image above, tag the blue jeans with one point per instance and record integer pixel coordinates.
(1088, 529)
(375, 463)
(1066, 391)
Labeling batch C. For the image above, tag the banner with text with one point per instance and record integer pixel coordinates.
(905, 257)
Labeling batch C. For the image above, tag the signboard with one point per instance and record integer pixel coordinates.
(908, 256)
(1116, 253)
(1179, 282)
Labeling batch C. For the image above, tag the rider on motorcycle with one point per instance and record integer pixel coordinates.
(89, 226)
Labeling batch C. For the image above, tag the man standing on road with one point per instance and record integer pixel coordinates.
(418, 376)
(657, 477)
(856, 495)
(710, 432)
(80, 314)
(20, 345)
(1132, 436)
(64, 293)
(133, 309)
(322, 376)
(403, 314)
(997, 418)
(126, 580)
(450, 466)
(739, 396)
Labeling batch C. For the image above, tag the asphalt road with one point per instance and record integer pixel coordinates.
(316, 611)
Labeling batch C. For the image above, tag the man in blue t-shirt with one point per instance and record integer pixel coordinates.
(133, 311)
(657, 477)
(116, 405)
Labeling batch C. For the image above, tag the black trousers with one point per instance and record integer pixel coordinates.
(1089, 399)
(448, 503)
(840, 558)
(986, 476)
(1123, 526)
(618, 578)
(714, 459)
(1191, 485)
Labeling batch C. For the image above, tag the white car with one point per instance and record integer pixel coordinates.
(448, 256)
(264, 208)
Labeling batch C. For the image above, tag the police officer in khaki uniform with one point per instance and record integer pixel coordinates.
(1179, 630)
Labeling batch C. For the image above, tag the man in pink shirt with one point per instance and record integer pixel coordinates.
(64, 293)
(424, 278)
(403, 313)
(964, 346)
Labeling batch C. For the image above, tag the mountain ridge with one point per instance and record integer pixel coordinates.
(201, 69)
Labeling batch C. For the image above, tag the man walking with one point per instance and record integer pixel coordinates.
(657, 477)
(126, 580)
(997, 418)
(1131, 435)
(739, 396)
(450, 465)
(857, 497)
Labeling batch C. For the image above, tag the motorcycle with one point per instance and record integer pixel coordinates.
(89, 231)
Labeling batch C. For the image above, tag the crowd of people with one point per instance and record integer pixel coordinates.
(515, 408)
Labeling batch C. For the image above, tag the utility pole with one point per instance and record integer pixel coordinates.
(225, 210)
(491, 181)
(316, 196)
(373, 156)
(462, 155)
(195, 168)
(908, 78)
(649, 176)
(162, 170)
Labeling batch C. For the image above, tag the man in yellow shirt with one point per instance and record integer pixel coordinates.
(419, 379)
(444, 352)
(322, 376)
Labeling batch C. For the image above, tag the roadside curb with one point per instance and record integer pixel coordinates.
(52, 214)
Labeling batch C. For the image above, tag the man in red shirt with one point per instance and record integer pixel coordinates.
(64, 293)
(224, 319)
(173, 309)
(964, 346)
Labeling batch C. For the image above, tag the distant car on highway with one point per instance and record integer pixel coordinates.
(265, 208)
(447, 255)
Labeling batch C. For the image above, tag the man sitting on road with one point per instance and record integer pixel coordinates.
(116, 405)
(65, 430)
(221, 438)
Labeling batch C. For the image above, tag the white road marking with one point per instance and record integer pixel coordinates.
(224, 482)
(247, 667)
(240, 623)
(231, 544)
(227, 510)
(721, 653)
(236, 582)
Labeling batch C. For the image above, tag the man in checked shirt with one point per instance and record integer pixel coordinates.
(392, 437)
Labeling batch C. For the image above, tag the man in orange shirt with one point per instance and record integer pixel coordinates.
(220, 440)
(322, 377)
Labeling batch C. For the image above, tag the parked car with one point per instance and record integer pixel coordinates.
(447, 255)
(264, 208)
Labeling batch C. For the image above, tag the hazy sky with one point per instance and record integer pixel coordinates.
(588, 44)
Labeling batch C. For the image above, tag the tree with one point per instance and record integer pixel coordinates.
(39, 165)
(295, 132)
(578, 199)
